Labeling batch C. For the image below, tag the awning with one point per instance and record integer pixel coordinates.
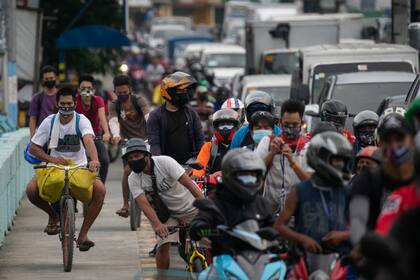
(92, 36)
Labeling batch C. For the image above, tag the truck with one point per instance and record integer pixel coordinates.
(319, 62)
(286, 32)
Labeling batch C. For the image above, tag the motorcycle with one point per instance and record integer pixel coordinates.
(258, 262)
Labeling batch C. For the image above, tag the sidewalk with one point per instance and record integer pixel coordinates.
(119, 253)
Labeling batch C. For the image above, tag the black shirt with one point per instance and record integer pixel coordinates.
(376, 186)
(177, 144)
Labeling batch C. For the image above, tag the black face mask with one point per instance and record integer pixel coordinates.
(180, 100)
(49, 84)
(137, 165)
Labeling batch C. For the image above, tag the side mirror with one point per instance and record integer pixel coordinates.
(312, 110)
(302, 93)
(195, 165)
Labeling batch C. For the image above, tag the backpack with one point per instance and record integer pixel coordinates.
(133, 99)
(34, 160)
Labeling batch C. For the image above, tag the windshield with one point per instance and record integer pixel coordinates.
(359, 97)
(226, 60)
(280, 63)
(323, 71)
(279, 94)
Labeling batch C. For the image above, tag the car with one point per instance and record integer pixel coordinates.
(225, 60)
(159, 34)
(276, 85)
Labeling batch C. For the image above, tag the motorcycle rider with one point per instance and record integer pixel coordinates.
(254, 102)
(371, 187)
(318, 204)
(261, 124)
(236, 200)
(364, 126)
(225, 124)
(335, 111)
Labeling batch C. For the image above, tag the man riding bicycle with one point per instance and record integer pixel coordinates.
(59, 133)
(160, 178)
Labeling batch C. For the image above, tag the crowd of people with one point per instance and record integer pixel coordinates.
(322, 188)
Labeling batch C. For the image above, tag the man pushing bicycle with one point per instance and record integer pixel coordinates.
(61, 139)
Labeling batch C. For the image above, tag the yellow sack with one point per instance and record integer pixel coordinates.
(81, 184)
(51, 184)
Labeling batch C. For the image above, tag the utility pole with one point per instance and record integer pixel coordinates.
(10, 101)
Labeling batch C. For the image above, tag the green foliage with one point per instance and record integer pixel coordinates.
(59, 14)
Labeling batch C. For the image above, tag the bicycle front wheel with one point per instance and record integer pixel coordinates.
(67, 232)
(134, 214)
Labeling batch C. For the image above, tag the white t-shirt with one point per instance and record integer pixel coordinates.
(177, 198)
(280, 177)
(69, 143)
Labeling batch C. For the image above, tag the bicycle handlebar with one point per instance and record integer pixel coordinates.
(65, 167)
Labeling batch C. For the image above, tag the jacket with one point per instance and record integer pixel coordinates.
(157, 126)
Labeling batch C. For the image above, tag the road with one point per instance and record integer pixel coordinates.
(119, 253)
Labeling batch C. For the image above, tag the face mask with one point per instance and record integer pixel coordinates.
(291, 133)
(398, 155)
(181, 100)
(86, 92)
(49, 84)
(66, 111)
(258, 135)
(366, 138)
(137, 165)
(202, 97)
(247, 179)
(123, 98)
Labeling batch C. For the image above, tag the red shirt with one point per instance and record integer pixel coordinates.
(399, 201)
(91, 112)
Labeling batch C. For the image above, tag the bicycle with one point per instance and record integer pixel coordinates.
(189, 250)
(67, 216)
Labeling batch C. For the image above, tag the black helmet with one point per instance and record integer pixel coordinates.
(178, 88)
(243, 173)
(258, 101)
(262, 115)
(323, 148)
(225, 123)
(334, 111)
(393, 123)
(361, 121)
(133, 145)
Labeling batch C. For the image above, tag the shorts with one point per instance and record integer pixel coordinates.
(174, 237)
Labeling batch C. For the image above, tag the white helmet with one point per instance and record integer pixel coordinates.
(237, 105)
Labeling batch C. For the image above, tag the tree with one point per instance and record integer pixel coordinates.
(57, 17)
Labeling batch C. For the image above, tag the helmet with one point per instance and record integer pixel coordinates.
(237, 105)
(135, 144)
(334, 111)
(323, 148)
(361, 121)
(370, 152)
(392, 123)
(413, 114)
(258, 101)
(225, 123)
(178, 88)
(243, 173)
(222, 93)
(261, 115)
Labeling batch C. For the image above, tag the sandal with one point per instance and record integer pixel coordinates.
(52, 229)
(123, 212)
(85, 245)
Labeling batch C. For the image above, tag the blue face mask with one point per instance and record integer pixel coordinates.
(247, 179)
(259, 134)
